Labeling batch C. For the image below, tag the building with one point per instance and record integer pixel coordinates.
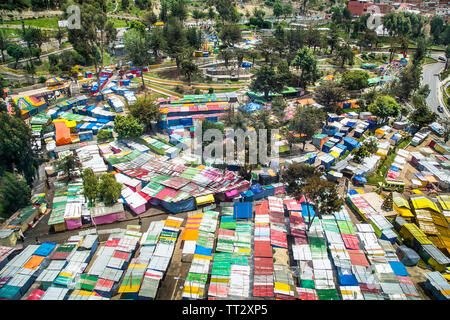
(359, 7)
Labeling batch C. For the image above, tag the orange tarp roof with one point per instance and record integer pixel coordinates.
(34, 262)
(306, 101)
(62, 133)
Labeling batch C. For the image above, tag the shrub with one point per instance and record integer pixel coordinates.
(41, 79)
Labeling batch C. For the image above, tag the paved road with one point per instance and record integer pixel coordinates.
(434, 99)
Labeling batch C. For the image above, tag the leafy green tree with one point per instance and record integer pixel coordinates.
(421, 116)
(230, 34)
(4, 42)
(226, 9)
(90, 39)
(103, 135)
(345, 55)
(193, 39)
(333, 37)
(124, 4)
(189, 68)
(303, 179)
(175, 41)
(17, 52)
(146, 111)
(384, 107)
(226, 55)
(178, 9)
(16, 154)
(409, 81)
(109, 190)
(329, 95)
(164, 10)
(371, 145)
(266, 80)
(306, 122)
(307, 62)
(90, 185)
(288, 9)
(277, 9)
(69, 165)
(127, 127)
(137, 46)
(355, 80)
(15, 194)
(359, 154)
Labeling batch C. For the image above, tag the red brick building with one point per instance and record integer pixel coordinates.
(359, 7)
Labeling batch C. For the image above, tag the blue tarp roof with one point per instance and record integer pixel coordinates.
(399, 268)
(305, 210)
(45, 249)
(243, 210)
(203, 250)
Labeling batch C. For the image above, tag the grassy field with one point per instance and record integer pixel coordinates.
(11, 33)
(429, 60)
(39, 23)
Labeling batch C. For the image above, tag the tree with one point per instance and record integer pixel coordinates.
(359, 154)
(125, 4)
(137, 46)
(15, 194)
(189, 68)
(226, 9)
(103, 135)
(17, 52)
(89, 40)
(333, 37)
(306, 122)
(307, 62)
(175, 41)
(355, 80)
(193, 39)
(69, 165)
(197, 14)
(230, 34)
(329, 95)
(277, 9)
(436, 28)
(384, 107)
(226, 55)
(15, 147)
(163, 11)
(178, 9)
(303, 179)
(287, 10)
(109, 190)
(447, 56)
(345, 55)
(266, 81)
(146, 111)
(90, 185)
(445, 122)
(60, 35)
(4, 42)
(409, 81)
(127, 127)
(371, 145)
(421, 116)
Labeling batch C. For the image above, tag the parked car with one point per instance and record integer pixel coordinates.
(442, 58)
(440, 109)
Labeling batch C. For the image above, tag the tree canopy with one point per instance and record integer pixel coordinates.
(127, 127)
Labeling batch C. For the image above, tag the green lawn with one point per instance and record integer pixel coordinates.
(119, 23)
(429, 60)
(11, 33)
(40, 23)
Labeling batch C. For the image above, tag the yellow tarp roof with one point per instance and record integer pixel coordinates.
(421, 202)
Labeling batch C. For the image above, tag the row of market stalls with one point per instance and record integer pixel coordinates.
(85, 269)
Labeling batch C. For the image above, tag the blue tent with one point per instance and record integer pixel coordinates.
(203, 250)
(351, 143)
(243, 210)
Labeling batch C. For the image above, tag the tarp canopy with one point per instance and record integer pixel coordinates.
(62, 134)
